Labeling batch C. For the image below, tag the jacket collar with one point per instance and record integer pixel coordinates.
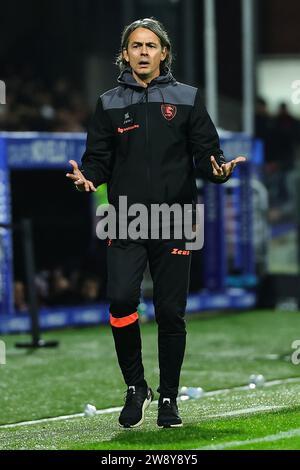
(126, 78)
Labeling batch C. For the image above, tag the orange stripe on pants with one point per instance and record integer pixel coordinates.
(125, 321)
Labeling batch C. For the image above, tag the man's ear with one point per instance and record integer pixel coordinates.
(163, 54)
(125, 55)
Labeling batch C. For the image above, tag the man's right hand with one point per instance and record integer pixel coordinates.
(81, 183)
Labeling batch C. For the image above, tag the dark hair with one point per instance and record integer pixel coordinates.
(157, 28)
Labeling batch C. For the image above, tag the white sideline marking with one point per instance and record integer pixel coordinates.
(271, 437)
(245, 411)
(207, 394)
(59, 418)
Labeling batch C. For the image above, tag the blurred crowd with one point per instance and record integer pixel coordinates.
(57, 288)
(280, 133)
(33, 104)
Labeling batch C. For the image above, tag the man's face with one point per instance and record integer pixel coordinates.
(144, 53)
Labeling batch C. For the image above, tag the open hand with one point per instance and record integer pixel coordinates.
(81, 183)
(225, 169)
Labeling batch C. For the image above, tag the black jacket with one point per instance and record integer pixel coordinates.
(145, 142)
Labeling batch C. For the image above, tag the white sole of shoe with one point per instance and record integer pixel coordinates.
(171, 426)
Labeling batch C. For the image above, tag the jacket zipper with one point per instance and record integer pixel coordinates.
(148, 153)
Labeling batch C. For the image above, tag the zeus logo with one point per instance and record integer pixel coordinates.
(296, 93)
(296, 354)
(2, 92)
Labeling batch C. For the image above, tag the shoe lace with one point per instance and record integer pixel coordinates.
(168, 405)
(129, 396)
(134, 397)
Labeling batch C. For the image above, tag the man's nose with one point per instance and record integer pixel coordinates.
(144, 50)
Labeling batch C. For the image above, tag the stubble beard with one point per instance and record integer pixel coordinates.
(143, 76)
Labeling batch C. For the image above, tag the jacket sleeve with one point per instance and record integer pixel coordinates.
(204, 141)
(97, 159)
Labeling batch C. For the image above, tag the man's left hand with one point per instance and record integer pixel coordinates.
(224, 171)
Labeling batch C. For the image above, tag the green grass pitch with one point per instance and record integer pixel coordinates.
(222, 352)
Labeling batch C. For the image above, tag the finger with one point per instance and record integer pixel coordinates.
(214, 163)
(228, 168)
(232, 167)
(79, 182)
(225, 169)
(78, 174)
(231, 170)
(92, 187)
(240, 159)
(215, 166)
(72, 177)
(86, 187)
(74, 164)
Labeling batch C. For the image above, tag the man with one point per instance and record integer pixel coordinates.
(144, 139)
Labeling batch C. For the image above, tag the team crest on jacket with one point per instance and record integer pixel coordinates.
(168, 111)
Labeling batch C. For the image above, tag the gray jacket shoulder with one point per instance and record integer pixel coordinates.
(180, 93)
(174, 93)
(112, 98)
(185, 94)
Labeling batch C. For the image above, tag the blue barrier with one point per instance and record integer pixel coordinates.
(33, 150)
(6, 292)
(239, 189)
(60, 317)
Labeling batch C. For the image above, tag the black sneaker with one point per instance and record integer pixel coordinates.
(137, 400)
(168, 416)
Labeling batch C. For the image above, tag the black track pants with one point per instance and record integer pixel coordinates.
(169, 264)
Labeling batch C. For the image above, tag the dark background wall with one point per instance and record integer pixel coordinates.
(279, 26)
(56, 36)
